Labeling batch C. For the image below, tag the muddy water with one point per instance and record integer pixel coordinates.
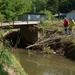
(44, 64)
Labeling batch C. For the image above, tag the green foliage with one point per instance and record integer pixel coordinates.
(47, 49)
(2, 72)
(4, 56)
(67, 6)
(7, 27)
(1, 17)
(39, 4)
(11, 9)
(48, 14)
(8, 59)
(52, 5)
(44, 23)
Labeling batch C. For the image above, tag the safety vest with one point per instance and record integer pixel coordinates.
(71, 23)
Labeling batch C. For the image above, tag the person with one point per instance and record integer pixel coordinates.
(71, 25)
(66, 26)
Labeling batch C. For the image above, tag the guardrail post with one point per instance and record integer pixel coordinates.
(1, 23)
(13, 23)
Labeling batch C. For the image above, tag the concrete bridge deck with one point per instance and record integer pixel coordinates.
(18, 23)
(28, 32)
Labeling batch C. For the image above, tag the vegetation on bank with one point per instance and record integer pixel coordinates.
(63, 44)
(9, 65)
(54, 39)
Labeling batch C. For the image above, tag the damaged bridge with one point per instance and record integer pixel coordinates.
(28, 30)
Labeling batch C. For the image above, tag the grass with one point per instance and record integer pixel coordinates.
(8, 59)
(52, 24)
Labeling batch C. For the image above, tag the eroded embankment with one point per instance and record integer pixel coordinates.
(59, 44)
(13, 38)
(65, 46)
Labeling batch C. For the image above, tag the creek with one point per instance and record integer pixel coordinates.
(35, 63)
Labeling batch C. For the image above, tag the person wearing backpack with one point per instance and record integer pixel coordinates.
(66, 22)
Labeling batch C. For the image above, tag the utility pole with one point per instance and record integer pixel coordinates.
(34, 9)
(59, 9)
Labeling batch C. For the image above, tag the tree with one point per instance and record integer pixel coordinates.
(39, 4)
(12, 8)
(68, 6)
(52, 6)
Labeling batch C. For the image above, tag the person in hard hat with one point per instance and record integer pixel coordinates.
(66, 22)
(71, 25)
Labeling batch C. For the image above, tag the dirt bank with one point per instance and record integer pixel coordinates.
(59, 43)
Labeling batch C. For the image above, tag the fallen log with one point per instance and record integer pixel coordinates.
(44, 42)
(38, 44)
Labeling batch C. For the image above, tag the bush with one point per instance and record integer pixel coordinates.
(49, 15)
(1, 17)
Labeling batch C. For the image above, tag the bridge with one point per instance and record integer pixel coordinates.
(18, 23)
(28, 31)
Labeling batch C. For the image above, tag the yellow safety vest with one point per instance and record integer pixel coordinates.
(71, 23)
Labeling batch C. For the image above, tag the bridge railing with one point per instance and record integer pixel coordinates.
(8, 23)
